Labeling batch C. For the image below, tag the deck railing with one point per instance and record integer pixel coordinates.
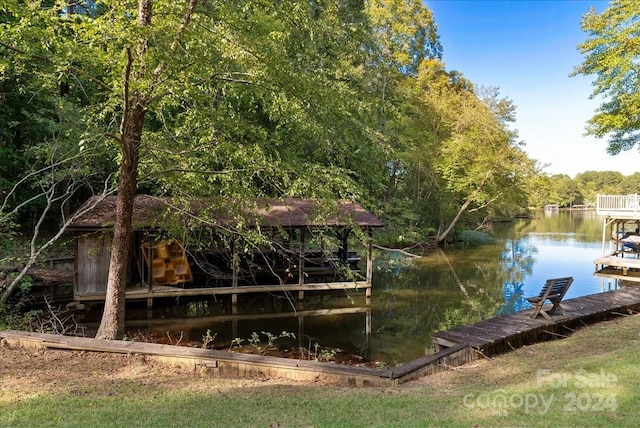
(623, 205)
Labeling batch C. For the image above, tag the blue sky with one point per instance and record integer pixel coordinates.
(528, 48)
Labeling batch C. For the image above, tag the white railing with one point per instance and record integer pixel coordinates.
(624, 205)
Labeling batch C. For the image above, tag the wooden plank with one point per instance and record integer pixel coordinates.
(453, 356)
(125, 347)
(515, 323)
(460, 338)
(164, 291)
(618, 262)
(477, 330)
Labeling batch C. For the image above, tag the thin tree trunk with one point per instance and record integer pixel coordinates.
(443, 235)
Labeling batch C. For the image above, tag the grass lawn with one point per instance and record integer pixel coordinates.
(588, 379)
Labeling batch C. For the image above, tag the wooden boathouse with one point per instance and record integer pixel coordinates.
(194, 248)
(620, 237)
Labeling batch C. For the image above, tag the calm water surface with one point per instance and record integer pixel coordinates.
(467, 284)
(412, 298)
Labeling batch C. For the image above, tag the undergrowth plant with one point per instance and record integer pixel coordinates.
(257, 343)
(208, 339)
(15, 313)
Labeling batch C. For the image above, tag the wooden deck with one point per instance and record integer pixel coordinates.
(624, 266)
(492, 336)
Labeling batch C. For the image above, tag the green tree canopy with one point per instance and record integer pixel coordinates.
(460, 142)
(612, 53)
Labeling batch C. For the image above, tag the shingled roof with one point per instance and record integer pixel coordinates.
(152, 212)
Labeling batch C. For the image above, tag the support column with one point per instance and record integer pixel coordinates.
(235, 268)
(303, 232)
(370, 258)
(604, 231)
(367, 329)
(301, 343)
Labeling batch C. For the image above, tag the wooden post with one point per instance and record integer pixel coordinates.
(234, 271)
(300, 330)
(604, 231)
(367, 327)
(150, 268)
(75, 266)
(301, 256)
(370, 258)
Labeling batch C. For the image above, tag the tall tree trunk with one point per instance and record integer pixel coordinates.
(112, 323)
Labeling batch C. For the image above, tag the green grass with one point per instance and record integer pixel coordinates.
(588, 379)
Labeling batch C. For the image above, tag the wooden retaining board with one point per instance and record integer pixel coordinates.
(497, 334)
(222, 363)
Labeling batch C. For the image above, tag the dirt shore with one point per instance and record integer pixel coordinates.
(26, 372)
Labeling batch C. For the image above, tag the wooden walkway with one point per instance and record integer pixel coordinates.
(501, 334)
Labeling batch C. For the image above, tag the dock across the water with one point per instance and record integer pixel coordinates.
(495, 335)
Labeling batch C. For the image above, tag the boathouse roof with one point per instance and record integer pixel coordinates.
(153, 211)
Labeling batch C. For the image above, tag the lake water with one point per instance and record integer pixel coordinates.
(462, 285)
(411, 298)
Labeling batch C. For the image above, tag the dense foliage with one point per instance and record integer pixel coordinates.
(565, 191)
(327, 99)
